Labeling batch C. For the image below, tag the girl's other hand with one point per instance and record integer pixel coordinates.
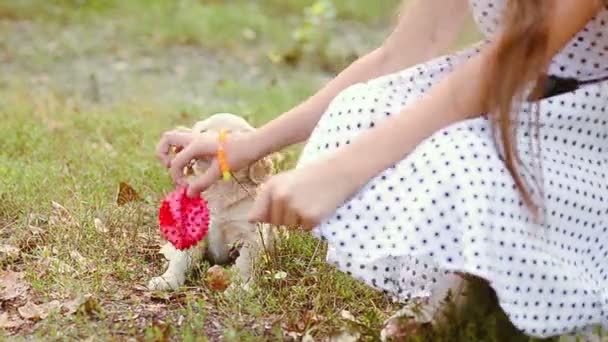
(303, 197)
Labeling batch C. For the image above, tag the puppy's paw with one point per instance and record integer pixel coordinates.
(165, 282)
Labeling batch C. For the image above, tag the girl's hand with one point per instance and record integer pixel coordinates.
(170, 141)
(240, 151)
(303, 197)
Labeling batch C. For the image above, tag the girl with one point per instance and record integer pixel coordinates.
(488, 162)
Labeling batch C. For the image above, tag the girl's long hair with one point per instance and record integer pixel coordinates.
(519, 65)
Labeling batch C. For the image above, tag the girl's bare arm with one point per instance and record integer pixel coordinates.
(424, 29)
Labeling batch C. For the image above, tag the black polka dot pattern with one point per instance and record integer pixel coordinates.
(583, 58)
(451, 205)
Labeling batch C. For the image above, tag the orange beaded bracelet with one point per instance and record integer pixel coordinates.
(221, 155)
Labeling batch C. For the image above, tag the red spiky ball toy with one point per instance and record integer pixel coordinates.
(183, 221)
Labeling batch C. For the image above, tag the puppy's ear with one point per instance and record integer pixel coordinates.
(261, 170)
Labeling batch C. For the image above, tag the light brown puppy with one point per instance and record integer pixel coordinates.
(229, 204)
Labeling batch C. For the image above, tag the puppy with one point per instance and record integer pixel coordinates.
(229, 203)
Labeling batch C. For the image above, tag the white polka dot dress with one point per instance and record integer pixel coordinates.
(452, 206)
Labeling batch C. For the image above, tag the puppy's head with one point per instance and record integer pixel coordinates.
(230, 122)
(252, 176)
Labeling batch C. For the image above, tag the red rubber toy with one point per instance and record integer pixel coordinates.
(183, 221)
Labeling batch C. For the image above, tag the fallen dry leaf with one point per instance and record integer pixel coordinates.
(348, 316)
(155, 307)
(60, 266)
(100, 226)
(31, 311)
(76, 256)
(8, 252)
(12, 285)
(399, 329)
(35, 230)
(140, 288)
(8, 322)
(294, 336)
(161, 296)
(61, 216)
(83, 262)
(70, 307)
(36, 312)
(59, 208)
(85, 304)
(300, 325)
(280, 275)
(308, 338)
(217, 278)
(126, 194)
(36, 219)
(346, 336)
(310, 317)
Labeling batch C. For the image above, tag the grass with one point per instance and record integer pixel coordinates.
(87, 88)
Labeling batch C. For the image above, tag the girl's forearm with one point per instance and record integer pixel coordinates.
(451, 100)
(296, 125)
(425, 29)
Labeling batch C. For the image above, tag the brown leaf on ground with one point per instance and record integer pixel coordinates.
(90, 307)
(161, 296)
(300, 326)
(310, 317)
(12, 285)
(85, 264)
(55, 265)
(348, 316)
(70, 307)
(86, 304)
(140, 288)
(35, 230)
(61, 216)
(8, 253)
(399, 328)
(37, 220)
(100, 226)
(154, 308)
(126, 194)
(58, 209)
(307, 338)
(217, 278)
(9, 322)
(291, 335)
(37, 312)
(345, 336)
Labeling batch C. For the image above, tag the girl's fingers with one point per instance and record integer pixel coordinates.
(260, 210)
(168, 140)
(181, 160)
(200, 148)
(308, 224)
(277, 208)
(290, 219)
(206, 180)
